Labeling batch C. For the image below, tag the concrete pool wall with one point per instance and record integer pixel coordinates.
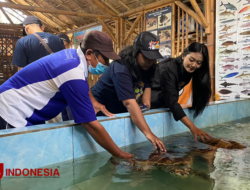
(43, 145)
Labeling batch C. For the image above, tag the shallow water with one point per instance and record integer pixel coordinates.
(230, 169)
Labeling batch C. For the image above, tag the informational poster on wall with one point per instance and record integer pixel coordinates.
(78, 36)
(159, 23)
(232, 48)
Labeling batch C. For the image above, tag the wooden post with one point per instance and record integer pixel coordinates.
(107, 30)
(117, 34)
(122, 32)
(208, 15)
(198, 11)
(133, 27)
(173, 30)
(182, 37)
(201, 33)
(189, 11)
(178, 33)
(211, 48)
(187, 20)
(197, 32)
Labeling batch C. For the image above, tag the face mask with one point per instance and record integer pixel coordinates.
(100, 68)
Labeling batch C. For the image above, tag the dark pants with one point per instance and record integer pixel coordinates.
(4, 124)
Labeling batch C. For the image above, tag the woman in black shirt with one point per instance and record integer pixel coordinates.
(173, 74)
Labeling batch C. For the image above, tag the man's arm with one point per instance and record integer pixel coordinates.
(99, 107)
(97, 131)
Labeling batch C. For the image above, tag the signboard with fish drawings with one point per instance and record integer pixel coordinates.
(232, 48)
(159, 23)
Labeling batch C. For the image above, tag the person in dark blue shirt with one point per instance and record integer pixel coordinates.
(128, 79)
(29, 49)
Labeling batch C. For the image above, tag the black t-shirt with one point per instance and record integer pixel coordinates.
(29, 49)
(116, 85)
(170, 78)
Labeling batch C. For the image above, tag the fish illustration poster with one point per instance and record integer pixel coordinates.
(159, 23)
(232, 48)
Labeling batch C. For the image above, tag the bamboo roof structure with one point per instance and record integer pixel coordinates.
(68, 16)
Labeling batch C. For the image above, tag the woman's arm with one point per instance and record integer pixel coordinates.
(194, 130)
(139, 120)
(146, 98)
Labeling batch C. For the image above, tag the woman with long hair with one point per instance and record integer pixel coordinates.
(172, 74)
(128, 79)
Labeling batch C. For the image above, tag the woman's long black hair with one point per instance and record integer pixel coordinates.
(129, 59)
(201, 79)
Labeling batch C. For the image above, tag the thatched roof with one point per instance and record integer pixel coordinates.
(56, 23)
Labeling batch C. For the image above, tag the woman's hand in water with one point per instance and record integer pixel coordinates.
(199, 133)
(156, 142)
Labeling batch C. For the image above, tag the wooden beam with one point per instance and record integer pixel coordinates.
(111, 7)
(173, 30)
(211, 48)
(107, 30)
(178, 32)
(189, 11)
(122, 32)
(7, 16)
(133, 27)
(124, 5)
(104, 7)
(198, 11)
(53, 11)
(208, 15)
(146, 7)
(8, 26)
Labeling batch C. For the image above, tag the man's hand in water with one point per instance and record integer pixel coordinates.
(100, 107)
(199, 133)
(126, 156)
(156, 142)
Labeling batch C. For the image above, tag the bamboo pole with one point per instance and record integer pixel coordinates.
(173, 30)
(54, 11)
(124, 5)
(197, 32)
(7, 16)
(189, 11)
(211, 48)
(182, 40)
(122, 32)
(146, 7)
(111, 7)
(208, 15)
(187, 20)
(198, 11)
(107, 30)
(178, 33)
(104, 7)
(201, 37)
(117, 34)
(133, 26)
